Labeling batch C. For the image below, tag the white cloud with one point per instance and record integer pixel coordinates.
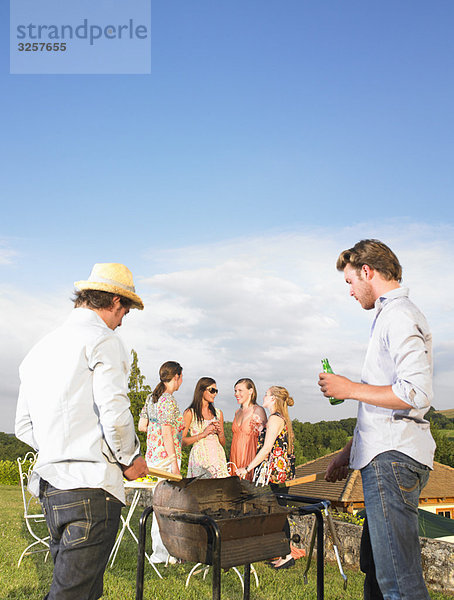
(7, 254)
(268, 307)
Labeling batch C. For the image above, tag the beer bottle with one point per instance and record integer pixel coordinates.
(327, 369)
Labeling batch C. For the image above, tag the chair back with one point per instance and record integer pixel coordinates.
(33, 513)
(26, 465)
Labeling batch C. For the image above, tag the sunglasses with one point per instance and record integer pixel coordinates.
(212, 390)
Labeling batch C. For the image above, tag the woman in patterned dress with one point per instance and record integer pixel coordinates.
(162, 420)
(204, 428)
(248, 422)
(275, 451)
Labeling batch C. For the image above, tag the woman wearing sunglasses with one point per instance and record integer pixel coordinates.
(204, 428)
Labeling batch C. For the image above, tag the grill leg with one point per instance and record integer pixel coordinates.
(141, 552)
(320, 557)
(247, 581)
(216, 566)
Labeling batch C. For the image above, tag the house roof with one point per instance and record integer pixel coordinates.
(440, 484)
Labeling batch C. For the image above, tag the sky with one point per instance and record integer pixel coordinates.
(267, 138)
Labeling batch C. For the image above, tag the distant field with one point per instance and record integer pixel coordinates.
(449, 412)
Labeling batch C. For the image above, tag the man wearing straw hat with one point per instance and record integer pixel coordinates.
(73, 409)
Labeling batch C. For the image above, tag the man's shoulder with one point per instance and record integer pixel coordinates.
(402, 315)
(82, 328)
(403, 306)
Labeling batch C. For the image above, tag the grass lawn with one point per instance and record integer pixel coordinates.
(32, 579)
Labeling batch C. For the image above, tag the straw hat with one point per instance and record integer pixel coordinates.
(114, 278)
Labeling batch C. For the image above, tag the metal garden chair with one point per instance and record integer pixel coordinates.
(31, 506)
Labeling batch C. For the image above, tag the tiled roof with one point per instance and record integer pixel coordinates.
(441, 482)
(440, 485)
(335, 492)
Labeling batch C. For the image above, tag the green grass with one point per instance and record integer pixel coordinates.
(448, 433)
(32, 579)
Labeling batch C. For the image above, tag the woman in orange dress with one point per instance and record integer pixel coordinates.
(248, 422)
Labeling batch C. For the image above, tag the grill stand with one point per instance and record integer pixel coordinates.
(313, 506)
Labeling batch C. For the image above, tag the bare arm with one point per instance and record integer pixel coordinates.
(340, 387)
(220, 428)
(170, 447)
(259, 413)
(192, 439)
(143, 424)
(274, 427)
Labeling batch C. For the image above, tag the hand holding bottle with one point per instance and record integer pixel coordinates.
(327, 369)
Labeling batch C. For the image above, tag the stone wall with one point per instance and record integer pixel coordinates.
(437, 557)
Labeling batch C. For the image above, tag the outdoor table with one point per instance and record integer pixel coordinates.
(139, 487)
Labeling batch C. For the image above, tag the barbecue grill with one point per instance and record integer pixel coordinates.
(225, 523)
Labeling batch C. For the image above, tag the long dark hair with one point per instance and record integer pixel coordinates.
(166, 373)
(202, 384)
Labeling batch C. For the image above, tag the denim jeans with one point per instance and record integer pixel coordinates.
(82, 524)
(390, 554)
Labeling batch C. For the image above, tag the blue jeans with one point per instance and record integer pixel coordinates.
(390, 554)
(82, 524)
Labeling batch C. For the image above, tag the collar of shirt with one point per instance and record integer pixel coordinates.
(82, 313)
(382, 300)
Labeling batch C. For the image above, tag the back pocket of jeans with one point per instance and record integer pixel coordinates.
(408, 479)
(75, 518)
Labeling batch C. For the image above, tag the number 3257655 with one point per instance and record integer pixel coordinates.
(41, 47)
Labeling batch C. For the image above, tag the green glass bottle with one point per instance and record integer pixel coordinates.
(327, 369)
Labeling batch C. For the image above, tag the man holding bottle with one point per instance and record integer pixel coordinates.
(392, 444)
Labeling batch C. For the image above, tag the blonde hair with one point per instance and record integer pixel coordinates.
(282, 400)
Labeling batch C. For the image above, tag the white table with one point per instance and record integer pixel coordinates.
(139, 487)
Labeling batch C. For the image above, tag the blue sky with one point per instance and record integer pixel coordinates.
(264, 131)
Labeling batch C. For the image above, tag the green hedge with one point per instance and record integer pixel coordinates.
(9, 472)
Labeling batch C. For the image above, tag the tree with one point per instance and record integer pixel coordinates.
(138, 392)
(313, 440)
(11, 447)
(445, 447)
(438, 419)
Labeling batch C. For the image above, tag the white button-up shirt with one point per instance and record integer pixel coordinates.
(73, 406)
(400, 355)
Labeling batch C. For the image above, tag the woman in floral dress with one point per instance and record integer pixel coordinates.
(248, 422)
(275, 451)
(162, 420)
(204, 428)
